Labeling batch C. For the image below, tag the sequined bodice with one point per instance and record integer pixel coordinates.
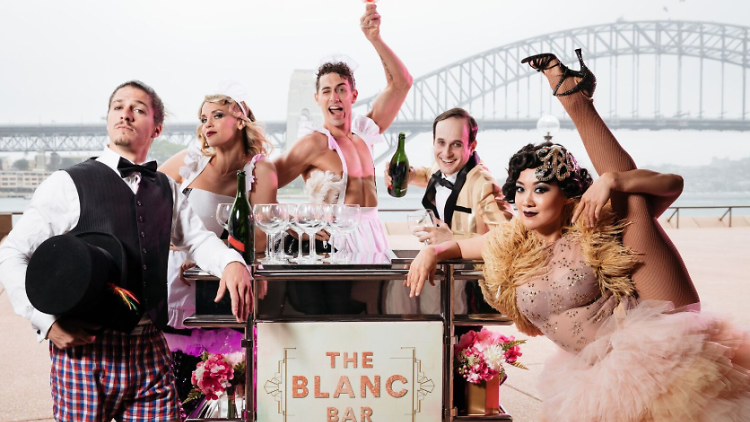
(565, 302)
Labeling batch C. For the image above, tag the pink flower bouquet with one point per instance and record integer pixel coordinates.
(480, 355)
(215, 374)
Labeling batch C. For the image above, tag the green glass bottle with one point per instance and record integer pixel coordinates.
(398, 169)
(241, 224)
(231, 404)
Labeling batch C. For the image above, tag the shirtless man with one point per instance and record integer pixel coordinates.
(344, 145)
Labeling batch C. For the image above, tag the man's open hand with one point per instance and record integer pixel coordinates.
(237, 280)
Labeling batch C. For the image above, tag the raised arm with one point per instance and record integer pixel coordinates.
(659, 189)
(171, 167)
(298, 158)
(388, 103)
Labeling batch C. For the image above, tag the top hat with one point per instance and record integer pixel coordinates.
(82, 276)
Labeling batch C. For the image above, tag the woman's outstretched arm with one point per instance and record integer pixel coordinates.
(422, 269)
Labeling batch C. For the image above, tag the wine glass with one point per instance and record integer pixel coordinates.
(332, 215)
(418, 220)
(328, 218)
(310, 218)
(297, 229)
(281, 217)
(222, 214)
(269, 218)
(286, 224)
(346, 220)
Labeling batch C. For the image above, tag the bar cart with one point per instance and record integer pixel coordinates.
(385, 362)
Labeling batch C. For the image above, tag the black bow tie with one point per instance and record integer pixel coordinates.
(439, 179)
(127, 168)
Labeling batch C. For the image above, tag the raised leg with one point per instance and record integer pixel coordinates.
(662, 275)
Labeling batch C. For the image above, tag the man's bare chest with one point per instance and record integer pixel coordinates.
(356, 156)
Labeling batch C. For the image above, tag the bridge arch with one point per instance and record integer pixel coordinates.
(475, 82)
(498, 90)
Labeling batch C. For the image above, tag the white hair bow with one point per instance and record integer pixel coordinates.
(340, 58)
(235, 91)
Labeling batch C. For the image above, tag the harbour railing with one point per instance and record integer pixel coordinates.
(674, 215)
(725, 218)
(727, 213)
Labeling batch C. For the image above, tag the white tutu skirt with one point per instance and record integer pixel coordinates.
(650, 366)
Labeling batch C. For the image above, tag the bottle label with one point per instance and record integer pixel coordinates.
(236, 244)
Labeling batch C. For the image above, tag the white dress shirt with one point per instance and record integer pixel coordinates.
(55, 209)
(442, 194)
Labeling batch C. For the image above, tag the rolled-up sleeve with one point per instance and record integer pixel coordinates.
(54, 210)
(422, 175)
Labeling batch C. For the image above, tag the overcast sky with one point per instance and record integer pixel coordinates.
(59, 60)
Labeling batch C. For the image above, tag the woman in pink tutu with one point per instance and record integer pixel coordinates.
(587, 265)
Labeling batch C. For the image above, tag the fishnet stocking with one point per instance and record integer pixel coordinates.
(663, 275)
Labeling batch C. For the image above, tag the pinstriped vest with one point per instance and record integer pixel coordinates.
(142, 222)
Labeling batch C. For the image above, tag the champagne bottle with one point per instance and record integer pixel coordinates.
(398, 169)
(231, 403)
(241, 224)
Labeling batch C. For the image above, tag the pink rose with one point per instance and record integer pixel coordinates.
(212, 376)
(467, 340)
(512, 354)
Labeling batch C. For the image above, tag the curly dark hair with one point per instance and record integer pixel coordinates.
(341, 68)
(527, 158)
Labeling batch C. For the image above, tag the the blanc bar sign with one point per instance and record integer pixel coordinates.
(350, 372)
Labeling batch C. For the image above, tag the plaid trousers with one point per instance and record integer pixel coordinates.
(121, 376)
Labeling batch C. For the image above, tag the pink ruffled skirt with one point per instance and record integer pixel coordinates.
(223, 340)
(650, 366)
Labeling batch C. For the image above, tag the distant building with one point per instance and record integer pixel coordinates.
(54, 161)
(40, 161)
(301, 105)
(21, 183)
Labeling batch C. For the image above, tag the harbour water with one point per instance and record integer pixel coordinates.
(413, 200)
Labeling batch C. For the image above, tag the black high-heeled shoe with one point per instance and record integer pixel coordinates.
(540, 62)
(587, 83)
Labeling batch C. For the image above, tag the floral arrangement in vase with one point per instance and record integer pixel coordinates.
(481, 355)
(217, 374)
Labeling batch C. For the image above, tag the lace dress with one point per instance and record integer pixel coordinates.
(182, 292)
(624, 361)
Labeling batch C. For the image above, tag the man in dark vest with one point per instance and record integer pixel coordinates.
(98, 373)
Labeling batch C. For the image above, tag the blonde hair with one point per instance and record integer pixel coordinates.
(254, 139)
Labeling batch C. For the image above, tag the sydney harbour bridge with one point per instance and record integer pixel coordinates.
(653, 75)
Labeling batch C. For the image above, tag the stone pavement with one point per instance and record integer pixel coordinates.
(716, 257)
